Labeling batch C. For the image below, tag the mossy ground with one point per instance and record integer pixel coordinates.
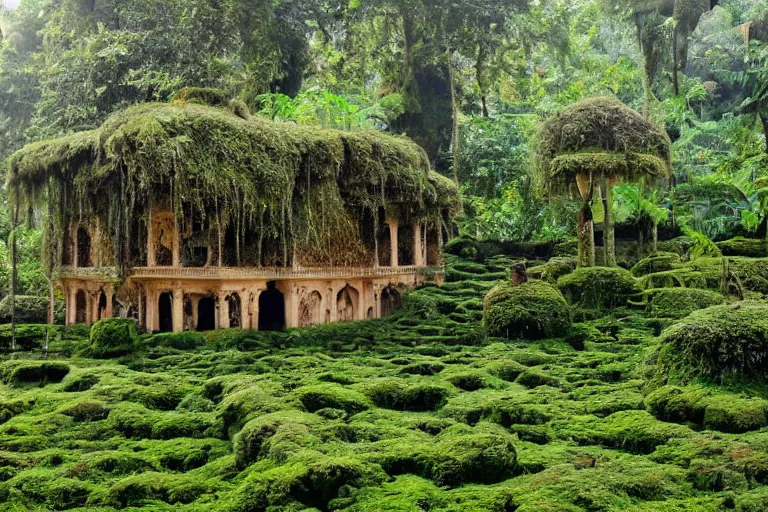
(420, 411)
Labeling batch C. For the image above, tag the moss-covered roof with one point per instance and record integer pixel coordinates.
(299, 182)
(600, 137)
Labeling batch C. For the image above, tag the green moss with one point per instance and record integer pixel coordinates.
(19, 373)
(274, 435)
(506, 370)
(404, 396)
(680, 302)
(534, 378)
(718, 343)
(599, 287)
(29, 309)
(335, 396)
(634, 431)
(113, 337)
(533, 310)
(659, 262)
(186, 340)
(87, 410)
(553, 269)
(740, 246)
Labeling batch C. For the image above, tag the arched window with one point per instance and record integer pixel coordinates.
(271, 309)
(346, 304)
(390, 301)
(310, 310)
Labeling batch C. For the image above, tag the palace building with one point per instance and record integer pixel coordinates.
(188, 216)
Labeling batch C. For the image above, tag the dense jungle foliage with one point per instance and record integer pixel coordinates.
(617, 148)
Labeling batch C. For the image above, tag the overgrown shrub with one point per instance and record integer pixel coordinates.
(29, 309)
(113, 337)
(532, 310)
(322, 396)
(186, 340)
(599, 287)
(718, 343)
(680, 302)
(277, 434)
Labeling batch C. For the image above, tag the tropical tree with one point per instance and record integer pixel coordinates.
(591, 145)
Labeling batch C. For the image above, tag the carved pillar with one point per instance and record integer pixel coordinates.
(418, 250)
(90, 314)
(151, 250)
(195, 302)
(393, 244)
(152, 321)
(142, 319)
(245, 316)
(223, 310)
(109, 313)
(178, 310)
(69, 310)
(332, 304)
(254, 302)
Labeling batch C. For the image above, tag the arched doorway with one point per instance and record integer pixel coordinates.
(165, 311)
(102, 305)
(83, 247)
(310, 310)
(390, 301)
(81, 307)
(346, 304)
(271, 309)
(206, 314)
(233, 303)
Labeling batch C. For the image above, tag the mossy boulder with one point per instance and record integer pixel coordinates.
(274, 435)
(553, 269)
(720, 343)
(323, 396)
(19, 373)
(187, 340)
(680, 302)
(532, 310)
(659, 262)
(740, 246)
(113, 337)
(599, 287)
(402, 395)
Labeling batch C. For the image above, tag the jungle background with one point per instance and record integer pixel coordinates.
(469, 81)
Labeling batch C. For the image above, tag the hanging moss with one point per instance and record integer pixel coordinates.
(602, 137)
(301, 187)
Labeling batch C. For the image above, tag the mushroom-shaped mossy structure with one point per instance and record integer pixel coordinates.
(590, 145)
(532, 310)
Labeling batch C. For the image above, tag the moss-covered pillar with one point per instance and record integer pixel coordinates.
(245, 317)
(393, 245)
(92, 311)
(223, 309)
(71, 305)
(152, 320)
(418, 249)
(140, 308)
(178, 310)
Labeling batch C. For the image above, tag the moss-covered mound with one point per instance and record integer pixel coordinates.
(680, 302)
(113, 337)
(659, 262)
(599, 287)
(29, 309)
(740, 246)
(602, 137)
(720, 343)
(249, 175)
(532, 310)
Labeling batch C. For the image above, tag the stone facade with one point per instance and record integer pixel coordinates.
(165, 295)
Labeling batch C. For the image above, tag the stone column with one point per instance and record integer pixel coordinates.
(142, 320)
(223, 315)
(245, 317)
(89, 311)
(393, 244)
(195, 300)
(332, 304)
(152, 310)
(69, 305)
(178, 310)
(254, 298)
(109, 313)
(418, 252)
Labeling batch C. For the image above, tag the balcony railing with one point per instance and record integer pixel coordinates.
(268, 273)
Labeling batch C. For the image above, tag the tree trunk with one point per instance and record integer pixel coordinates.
(675, 78)
(13, 285)
(764, 121)
(641, 238)
(609, 243)
(586, 235)
(455, 116)
(655, 233)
